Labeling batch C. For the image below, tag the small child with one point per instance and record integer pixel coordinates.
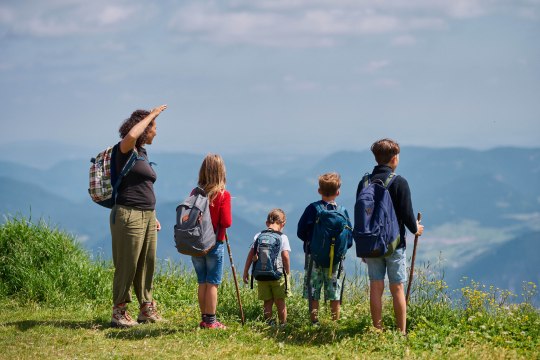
(271, 291)
(329, 185)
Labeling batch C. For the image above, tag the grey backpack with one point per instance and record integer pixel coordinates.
(193, 233)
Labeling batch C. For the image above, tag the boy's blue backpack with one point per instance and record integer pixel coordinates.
(269, 265)
(376, 229)
(331, 236)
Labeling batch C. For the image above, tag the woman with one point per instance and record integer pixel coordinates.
(133, 222)
(209, 268)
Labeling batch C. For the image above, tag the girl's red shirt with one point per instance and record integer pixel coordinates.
(221, 214)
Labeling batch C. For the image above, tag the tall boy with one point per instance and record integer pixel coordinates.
(329, 185)
(386, 152)
(273, 291)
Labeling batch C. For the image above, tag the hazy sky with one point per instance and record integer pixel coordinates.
(282, 75)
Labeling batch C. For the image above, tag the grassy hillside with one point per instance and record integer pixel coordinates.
(56, 304)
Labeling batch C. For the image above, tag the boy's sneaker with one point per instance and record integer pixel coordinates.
(315, 323)
(120, 317)
(271, 322)
(215, 325)
(148, 313)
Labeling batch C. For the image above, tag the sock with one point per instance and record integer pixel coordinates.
(210, 318)
(204, 317)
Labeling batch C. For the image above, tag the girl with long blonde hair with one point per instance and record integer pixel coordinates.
(209, 269)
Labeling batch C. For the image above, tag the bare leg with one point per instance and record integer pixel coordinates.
(376, 289)
(335, 307)
(201, 295)
(281, 310)
(314, 310)
(268, 304)
(400, 306)
(211, 298)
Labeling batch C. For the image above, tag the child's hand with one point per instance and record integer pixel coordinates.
(246, 278)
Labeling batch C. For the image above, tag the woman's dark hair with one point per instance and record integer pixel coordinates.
(134, 119)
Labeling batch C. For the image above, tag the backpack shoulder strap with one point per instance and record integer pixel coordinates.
(366, 179)
(318, 207)
(341, 210)
(127, 166)
(391, 177)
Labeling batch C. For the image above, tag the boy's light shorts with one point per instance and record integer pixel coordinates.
(395, 265)
(319, 279)
(273, 289)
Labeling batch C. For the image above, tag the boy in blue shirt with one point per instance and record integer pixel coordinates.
(329, 185)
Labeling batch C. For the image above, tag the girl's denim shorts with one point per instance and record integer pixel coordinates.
(209, 268)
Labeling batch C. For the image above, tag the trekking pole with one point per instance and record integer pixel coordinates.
(234, 277)
(419, 217)
(309, 264)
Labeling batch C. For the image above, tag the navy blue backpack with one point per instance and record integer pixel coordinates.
(331, 236)
(376, 228)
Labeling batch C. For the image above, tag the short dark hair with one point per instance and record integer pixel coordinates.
(384, 150)
(133, 120)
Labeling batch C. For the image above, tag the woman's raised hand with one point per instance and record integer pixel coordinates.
(157, 110)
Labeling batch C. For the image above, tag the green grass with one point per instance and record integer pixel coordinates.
(56, 304)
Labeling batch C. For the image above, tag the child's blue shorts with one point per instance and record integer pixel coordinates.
(209, 268)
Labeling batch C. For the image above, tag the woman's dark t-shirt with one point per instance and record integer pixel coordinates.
(137, 187)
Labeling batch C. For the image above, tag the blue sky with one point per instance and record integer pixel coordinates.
(296, 76)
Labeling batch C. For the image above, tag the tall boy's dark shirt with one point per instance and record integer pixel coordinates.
(137, 187)
(307, 221)
(401, 199)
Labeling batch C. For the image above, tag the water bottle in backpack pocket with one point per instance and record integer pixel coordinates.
(376, 229)
(193, 232)
(331, 236)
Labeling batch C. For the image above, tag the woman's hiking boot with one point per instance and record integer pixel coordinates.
(148, 313)
(121, 318)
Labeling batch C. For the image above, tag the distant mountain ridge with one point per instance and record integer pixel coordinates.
(494, 189)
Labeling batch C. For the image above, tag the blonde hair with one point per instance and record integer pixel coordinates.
(212, 177)
(276, 216)
(329, 183)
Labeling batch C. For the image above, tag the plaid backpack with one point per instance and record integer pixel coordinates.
(104, 181)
